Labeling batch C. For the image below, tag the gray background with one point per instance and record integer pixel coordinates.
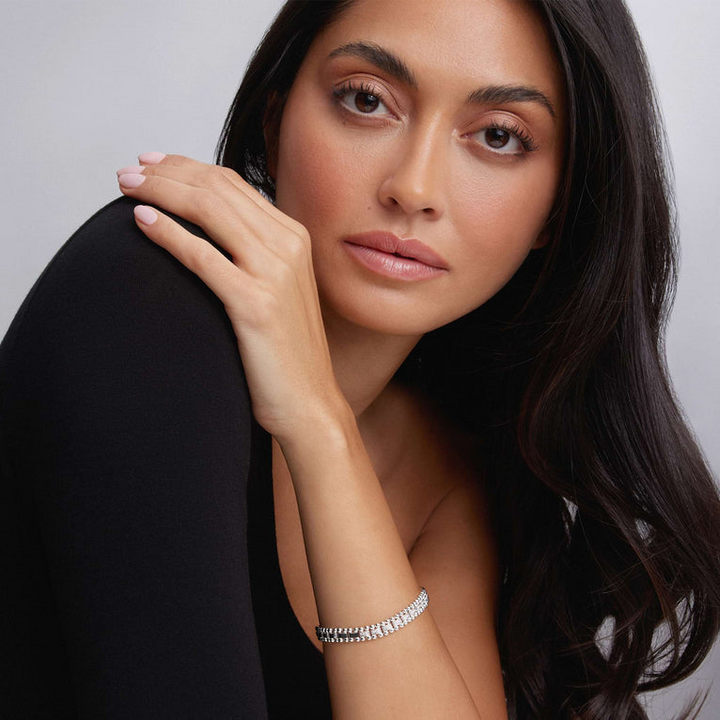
(86, 86)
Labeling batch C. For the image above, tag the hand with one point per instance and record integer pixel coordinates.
(268, 288)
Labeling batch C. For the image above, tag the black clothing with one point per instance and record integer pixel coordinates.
(125, 456)
(294, 669)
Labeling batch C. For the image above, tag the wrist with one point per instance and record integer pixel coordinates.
(328, 423)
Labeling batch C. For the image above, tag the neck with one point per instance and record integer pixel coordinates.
(364, 361)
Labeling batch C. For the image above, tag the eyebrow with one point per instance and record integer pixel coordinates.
(510, 94)
(380, 57)
(393, 65)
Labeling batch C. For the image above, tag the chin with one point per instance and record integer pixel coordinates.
(383, 315)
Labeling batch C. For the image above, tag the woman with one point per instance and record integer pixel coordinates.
(486, 422)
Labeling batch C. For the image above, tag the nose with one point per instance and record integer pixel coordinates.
(414, 182)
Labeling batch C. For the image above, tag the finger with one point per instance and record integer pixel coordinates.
(203, 176)
(223, 224)
(151, 158)
(230, 283)
(207, 177)
(222, 214)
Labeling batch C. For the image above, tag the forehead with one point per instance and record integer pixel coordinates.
(454, 42)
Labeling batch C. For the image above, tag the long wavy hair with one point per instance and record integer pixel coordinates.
(607, 514)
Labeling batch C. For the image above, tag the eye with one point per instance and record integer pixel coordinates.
(505, 139)
(497, 138)
(360, 99)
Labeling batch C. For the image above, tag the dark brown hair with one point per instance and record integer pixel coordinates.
(608, 516)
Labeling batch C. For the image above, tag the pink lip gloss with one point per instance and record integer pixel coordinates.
(390, 265)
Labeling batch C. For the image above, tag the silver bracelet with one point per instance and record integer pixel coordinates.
(378, 630)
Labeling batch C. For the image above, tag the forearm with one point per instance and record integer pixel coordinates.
(361, 574)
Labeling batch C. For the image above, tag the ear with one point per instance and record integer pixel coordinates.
(542, 239)
(271, 130)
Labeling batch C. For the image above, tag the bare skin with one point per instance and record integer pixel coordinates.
(444, 153)
(407, 195)
(418, 170)
(417, 461)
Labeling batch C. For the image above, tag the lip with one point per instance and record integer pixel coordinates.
(392, 266)
(391, 244)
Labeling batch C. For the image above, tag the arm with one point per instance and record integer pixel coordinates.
(125, 426)
(445, 663)
(358, 565)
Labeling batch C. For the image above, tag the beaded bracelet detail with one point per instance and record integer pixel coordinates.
(377, 630)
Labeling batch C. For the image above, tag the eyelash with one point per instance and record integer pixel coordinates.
(351, 87)
(528, 144)
(526, 141)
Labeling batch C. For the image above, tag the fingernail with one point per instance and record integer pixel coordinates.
(151, 158)
(145, 215)
(131, 180)
(131, 169)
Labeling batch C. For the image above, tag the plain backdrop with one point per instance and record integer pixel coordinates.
(86, 86)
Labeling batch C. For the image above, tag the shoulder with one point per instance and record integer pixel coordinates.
(109, 281)
(108, 257)
(449, 461)
(433, 465)
(108, 243)
(113, 324)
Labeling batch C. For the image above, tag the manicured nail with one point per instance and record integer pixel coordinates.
(151, 158)
(145, 215)
(135, 169)
(131, 180)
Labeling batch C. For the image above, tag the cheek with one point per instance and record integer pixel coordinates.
(314, 178)
(500, 214)
(328, 179)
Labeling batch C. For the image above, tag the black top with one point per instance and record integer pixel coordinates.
(128, 588)
(294, 669)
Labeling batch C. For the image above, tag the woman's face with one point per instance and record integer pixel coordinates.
(442, 122)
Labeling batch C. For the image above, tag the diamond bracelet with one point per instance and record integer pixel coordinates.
(378, 630)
